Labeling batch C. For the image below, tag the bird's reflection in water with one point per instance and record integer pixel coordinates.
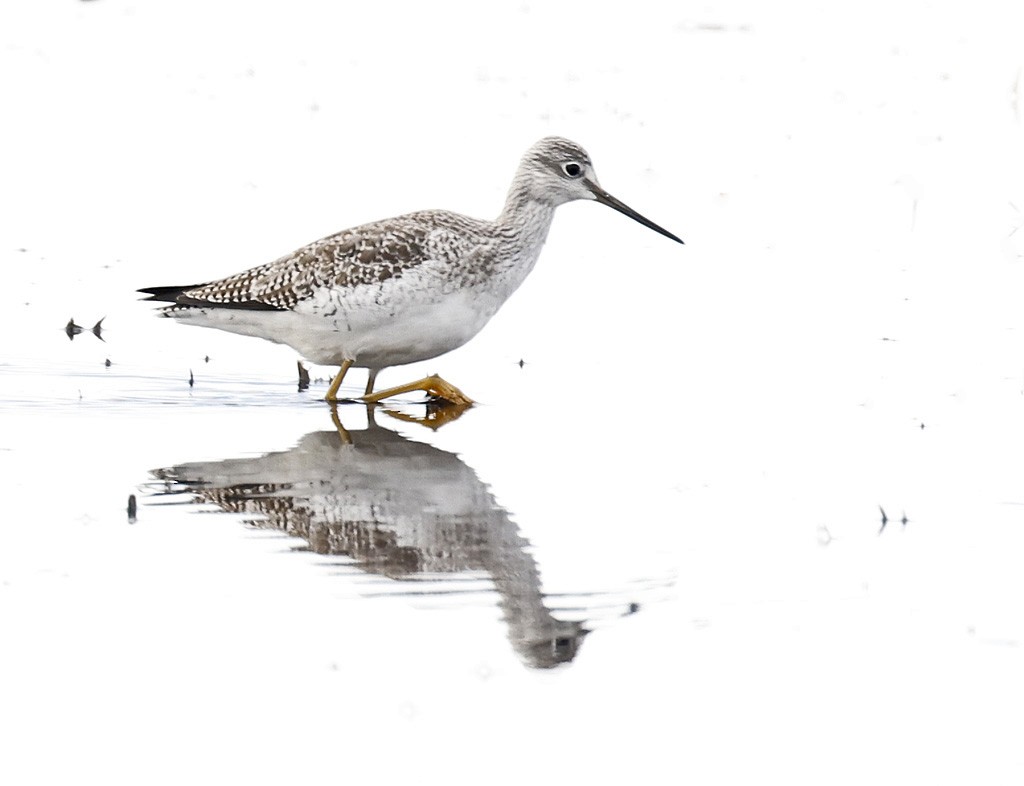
(398, 508)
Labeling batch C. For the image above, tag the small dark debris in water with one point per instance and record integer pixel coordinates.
(521, 362)
(922, 426)
(107, 363)
(22, 250)
(885, 520)
(72, 329)
(191, 379)
(888, 339)
(303, 376)
(206, 359)
(633, 608)
(132, 507)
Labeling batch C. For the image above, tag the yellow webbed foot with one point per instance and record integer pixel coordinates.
(434, 385)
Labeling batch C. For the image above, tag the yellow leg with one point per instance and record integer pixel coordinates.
(332, 391)
(370, 380)
(433, 385)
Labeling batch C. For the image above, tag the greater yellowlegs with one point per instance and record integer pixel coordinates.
(404, 289)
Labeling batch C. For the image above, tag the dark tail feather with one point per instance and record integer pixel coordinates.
(166, 294)
(177, 296)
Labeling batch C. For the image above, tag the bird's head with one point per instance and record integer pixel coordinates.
(556, 170)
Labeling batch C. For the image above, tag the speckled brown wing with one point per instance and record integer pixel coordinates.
(363, 255)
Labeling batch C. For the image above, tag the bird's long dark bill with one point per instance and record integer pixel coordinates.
(605, 198)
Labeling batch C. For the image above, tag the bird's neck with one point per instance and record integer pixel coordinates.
(524, 217)
(522, 228)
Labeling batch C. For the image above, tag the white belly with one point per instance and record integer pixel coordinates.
(370, 334)
(377, 335)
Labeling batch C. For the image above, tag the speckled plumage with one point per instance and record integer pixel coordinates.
(363, 256)
(403, 289)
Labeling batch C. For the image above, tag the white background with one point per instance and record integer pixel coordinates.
(842, 331)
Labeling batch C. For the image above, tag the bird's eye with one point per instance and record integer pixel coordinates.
(572, 169)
